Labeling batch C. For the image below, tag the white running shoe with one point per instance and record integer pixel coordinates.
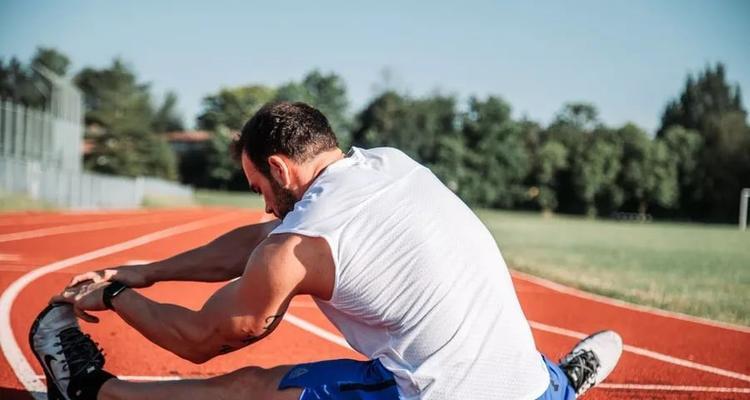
(592, 360)
(65, 353)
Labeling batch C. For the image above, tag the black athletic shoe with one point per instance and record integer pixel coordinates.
(71, 361)
(591, 360)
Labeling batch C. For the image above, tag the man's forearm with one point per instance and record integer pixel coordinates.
(220, 260)
(169, 326)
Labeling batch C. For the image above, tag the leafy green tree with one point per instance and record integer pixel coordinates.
(380, 122)
(18, 84)
(51, 59)
(572, 127)
(703, 98)
(131, 151)
(224, 113)
(714, 109)
(649, 171)
(412, 126)
(232, 107)
(326, 92)
(496, 154)
(685, 147)
(595, 165)
(120, 115)
(166, 118)
(551, 158)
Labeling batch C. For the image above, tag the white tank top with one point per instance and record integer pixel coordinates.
(420, 282)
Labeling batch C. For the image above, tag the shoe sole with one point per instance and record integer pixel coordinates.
(53, 392)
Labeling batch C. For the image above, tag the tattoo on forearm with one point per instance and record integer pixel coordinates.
(226, 349)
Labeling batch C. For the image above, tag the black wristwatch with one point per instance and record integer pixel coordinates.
(111, 291)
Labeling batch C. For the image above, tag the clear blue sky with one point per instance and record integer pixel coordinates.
(627, 57)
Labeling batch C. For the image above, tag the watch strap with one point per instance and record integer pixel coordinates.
(111, 291)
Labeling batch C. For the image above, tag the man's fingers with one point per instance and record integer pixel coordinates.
(109, 274)
(87, 276)
(85, 316)
(58, 298)
(93, 276)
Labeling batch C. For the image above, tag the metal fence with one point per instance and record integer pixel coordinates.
(39, 135)
(81, 189)
(40, 155)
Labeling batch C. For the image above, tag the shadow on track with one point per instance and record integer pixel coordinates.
(16, 394)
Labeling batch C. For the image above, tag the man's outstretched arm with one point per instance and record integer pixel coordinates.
(220, 260)
(242, 312)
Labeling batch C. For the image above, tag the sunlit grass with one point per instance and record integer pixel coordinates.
(10, 202)
(245, 199)
(698, 269)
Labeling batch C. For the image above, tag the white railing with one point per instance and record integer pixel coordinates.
(744, 196)
(27, 133)
(80, 189)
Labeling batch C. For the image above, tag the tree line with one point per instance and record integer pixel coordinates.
(692, 168)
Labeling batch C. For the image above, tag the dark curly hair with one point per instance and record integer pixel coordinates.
(295, 130)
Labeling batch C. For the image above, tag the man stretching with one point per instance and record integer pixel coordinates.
(398, 263)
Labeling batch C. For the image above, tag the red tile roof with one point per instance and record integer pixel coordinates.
(188, 136)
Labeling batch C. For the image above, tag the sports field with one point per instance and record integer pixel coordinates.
(666, 356)
(698, 269)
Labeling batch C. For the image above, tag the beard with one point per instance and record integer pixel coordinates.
(285, 199)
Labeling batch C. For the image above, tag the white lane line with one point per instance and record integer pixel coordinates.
(10, 348)
(624, 304)
(10, 257)
(64, 217)
(611, 386)
(73, 228)
(672, 388)
(647, 353)
(146, 378)
(315, 330)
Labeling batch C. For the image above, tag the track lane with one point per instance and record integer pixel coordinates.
(633, 369)
(723, 348)
(88, 243)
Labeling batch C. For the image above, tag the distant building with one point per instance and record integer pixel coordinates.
(187, 141)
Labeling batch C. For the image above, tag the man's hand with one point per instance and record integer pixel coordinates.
(132, 275)
(87, 296)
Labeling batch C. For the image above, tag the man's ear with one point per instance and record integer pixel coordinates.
(279, 167)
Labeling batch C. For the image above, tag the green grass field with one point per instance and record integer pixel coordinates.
(10, 202)
(697, 269)
(228, 199)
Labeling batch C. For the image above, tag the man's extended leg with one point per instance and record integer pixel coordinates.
(73, 365)
(247, 384)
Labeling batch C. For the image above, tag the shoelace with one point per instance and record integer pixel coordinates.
(581, 369)
(80, 351)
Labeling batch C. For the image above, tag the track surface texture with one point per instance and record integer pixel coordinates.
(667, 356)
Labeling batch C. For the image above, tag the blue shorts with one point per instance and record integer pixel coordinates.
(369, 380)
(559, 387)
(342, 380)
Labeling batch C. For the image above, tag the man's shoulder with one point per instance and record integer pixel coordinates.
(306, 254)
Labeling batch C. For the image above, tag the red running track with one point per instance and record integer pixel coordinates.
(666, 357)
